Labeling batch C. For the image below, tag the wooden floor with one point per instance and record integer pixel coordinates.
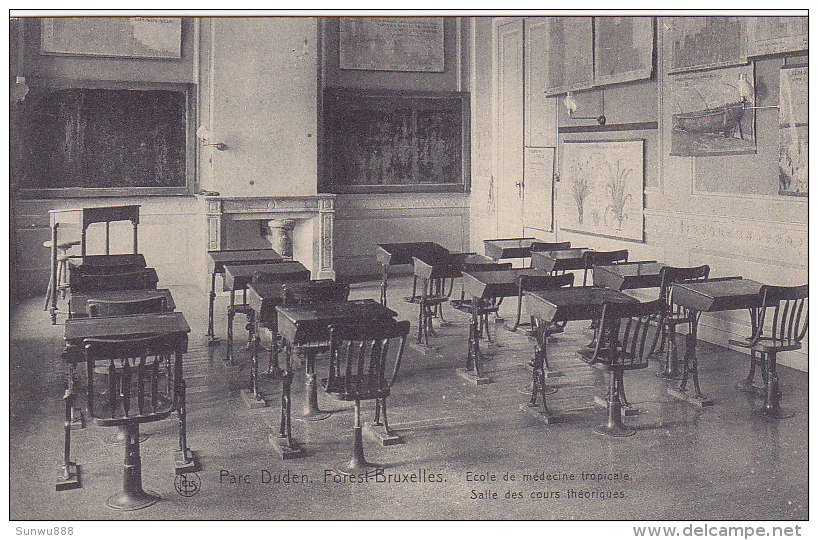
(684, 462)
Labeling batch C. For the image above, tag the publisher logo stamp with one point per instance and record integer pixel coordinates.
(187, 484)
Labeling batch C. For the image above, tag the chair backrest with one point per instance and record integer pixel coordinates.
(622, 340)
(486, 267)
(668, 275)
(321, 290)
(549, 246)
(790, 317)
(98, 307)
(140, 378)
(596, 258)
(544, 283)
(364, 360)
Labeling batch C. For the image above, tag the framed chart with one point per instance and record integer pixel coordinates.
(134, 37)
(623, 49)
(708, 42)
(602, 188)
(570, 54)
(392, 43)
(793, 132)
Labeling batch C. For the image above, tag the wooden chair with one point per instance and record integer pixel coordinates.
(141, 388)
(787, 329)
(596, 258)
(674, 315)
(361, 368)
(624, 329)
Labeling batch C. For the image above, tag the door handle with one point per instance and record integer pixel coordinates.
(520, 189)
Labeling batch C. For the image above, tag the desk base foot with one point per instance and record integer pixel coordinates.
(546, 417)
(284, 449)
(471, 377)
(252, 401)
(774, 413)
(68, 479)
(683, 395)
(186, 462)
(378, 433)
(128, 502)
(627, 410)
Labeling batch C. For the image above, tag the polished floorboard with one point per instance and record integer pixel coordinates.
(683, 463)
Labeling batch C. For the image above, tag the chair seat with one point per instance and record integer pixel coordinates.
(601, 362)
(466, 306)
(435, 300)
(766, 345)
(676, 320)
(369, 388)
(64, 245)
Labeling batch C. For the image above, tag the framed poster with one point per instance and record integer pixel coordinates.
(623, 49)
(793, 132)
(392, 43)
(602, 188)
(133, 37)
(570, 54)
(708, 42)
(773, 35)
(709, 116)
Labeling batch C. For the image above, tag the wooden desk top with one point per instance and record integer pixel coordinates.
(263, 299)
(573, 303)
(562, 259)
(717, 294)
(78, 303)
(508, 248)
(91, 263)
(238, 276)
(633, 275)
(310, 322)
(82, 217)
(100, 327)
(497, 283)
(217, 259)
(402, 253)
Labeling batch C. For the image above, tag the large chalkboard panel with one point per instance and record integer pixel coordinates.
(381, 141)
(103, 141)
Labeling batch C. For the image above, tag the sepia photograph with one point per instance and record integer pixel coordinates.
(416, 266)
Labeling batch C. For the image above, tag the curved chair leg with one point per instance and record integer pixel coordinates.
(132, 497)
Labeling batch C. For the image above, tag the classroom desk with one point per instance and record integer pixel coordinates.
(238, 276)
(140, 278)
(76, 331)
(631, 275)
(215, 265)
(402, 253)
(78, 303)
(82, 218)
(720, 294)
(509, 248)
(559, 260)
(307, 324)
(486, 288)
(107, 264)
(567, 304)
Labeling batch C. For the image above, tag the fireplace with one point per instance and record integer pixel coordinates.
(298, 227)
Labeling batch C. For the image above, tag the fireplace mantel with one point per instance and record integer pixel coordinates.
(312, 218)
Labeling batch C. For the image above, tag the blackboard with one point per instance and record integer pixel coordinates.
(384, 141)
(89, 141)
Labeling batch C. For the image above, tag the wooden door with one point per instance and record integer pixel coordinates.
(508, 79)
(540, 133)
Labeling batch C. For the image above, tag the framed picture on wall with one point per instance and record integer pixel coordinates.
(133, 37)
(391, 43)
(602, 188)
